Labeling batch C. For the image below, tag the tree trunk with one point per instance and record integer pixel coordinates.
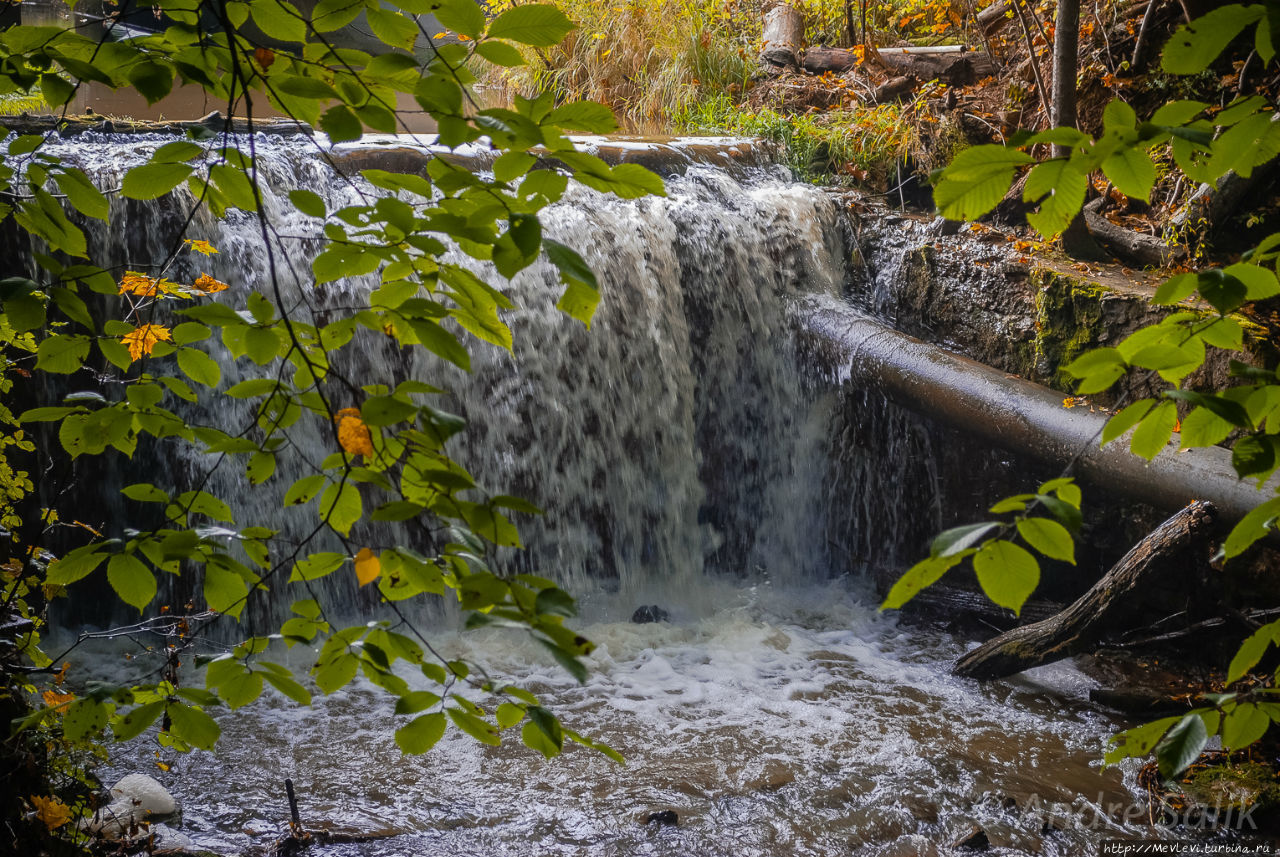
(1134, 248)
(1115, 603)
(783, 36)
(1066, 46)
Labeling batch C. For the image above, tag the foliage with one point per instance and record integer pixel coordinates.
(645, 58)
(1206, 144)
(857, 140)
(388, 457)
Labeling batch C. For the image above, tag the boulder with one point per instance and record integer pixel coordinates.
(146, 794)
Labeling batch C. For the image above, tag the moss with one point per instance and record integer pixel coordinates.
(1246, 785)
(1069, 321)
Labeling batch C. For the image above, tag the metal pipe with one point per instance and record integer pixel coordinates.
(1020, 416)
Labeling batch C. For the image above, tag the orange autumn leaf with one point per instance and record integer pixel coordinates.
(143, 340)
(61, 675)
(209, 285)
(137, 284)
(201, 246)
(353, 434)
(51, 811)
(57, 701)
(368, 567)
(265, 57)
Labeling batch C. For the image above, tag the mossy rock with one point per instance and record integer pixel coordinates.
(1249, 785)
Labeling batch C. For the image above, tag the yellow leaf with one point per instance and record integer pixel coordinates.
(143, 340)
(201, 246)
(367, 566)
(137, 284)
(209, 285)
(57, 701)
(353, 434)
(53, 812)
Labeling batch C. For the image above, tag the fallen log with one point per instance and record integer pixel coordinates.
(783, 37)
(1112, 605)
(958, 66)
(215, 122)
(1133, 248)
(893, 89)
(994, 17)
(1018, 415)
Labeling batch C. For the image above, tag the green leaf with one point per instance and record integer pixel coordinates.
(1203, 427)
(1252, 650)
(75, 565)
(1260, 283)
(1254, 455)
(1258, 523)
(193, 726)
(62, 353)
(1155, 430)
(1196, 45)
(151, 181)
(341, 124)
(1139, 741)
(920, 576)
(81, 193)
(957, 539)
(199, 367)
(535, 739)
(85, 718)
(1007, 573)
(308, 202)
(1126, 419)
(1176, 289)
(289, 687)
(588, 116)
(976, 180)
(1059, 187)
(1049, 537)
(421, 734)
(1131, 171)
(136, 721)
(132, 581)
(1243, 725)
(482, 730)
(398, 31)
(508, 715)
(536, 24)
(225, 591)
(280, 19)
(1181, 746)
(341, 507)
(152, 79)
(501, 54)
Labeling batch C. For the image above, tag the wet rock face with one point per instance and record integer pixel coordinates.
(1004, 303)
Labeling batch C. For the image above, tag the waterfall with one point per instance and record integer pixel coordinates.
(682, 433)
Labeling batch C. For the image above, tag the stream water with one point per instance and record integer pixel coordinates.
(687, 456)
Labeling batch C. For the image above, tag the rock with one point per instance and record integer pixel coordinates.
(146, 794)
(166, 840)
(972, 838)
(649, 613)
(663, 818)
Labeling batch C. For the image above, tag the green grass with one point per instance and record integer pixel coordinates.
(17, 103)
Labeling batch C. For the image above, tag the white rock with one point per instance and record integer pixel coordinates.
(113, 821)
(145, 794)
(168, 840)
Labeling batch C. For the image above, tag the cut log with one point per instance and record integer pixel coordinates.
(783, 38)
(994, 17)
(1115, 603)
(1133, 248)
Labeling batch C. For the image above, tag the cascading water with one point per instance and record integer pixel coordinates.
(686, 453)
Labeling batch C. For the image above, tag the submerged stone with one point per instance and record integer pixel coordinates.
(647, 613)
